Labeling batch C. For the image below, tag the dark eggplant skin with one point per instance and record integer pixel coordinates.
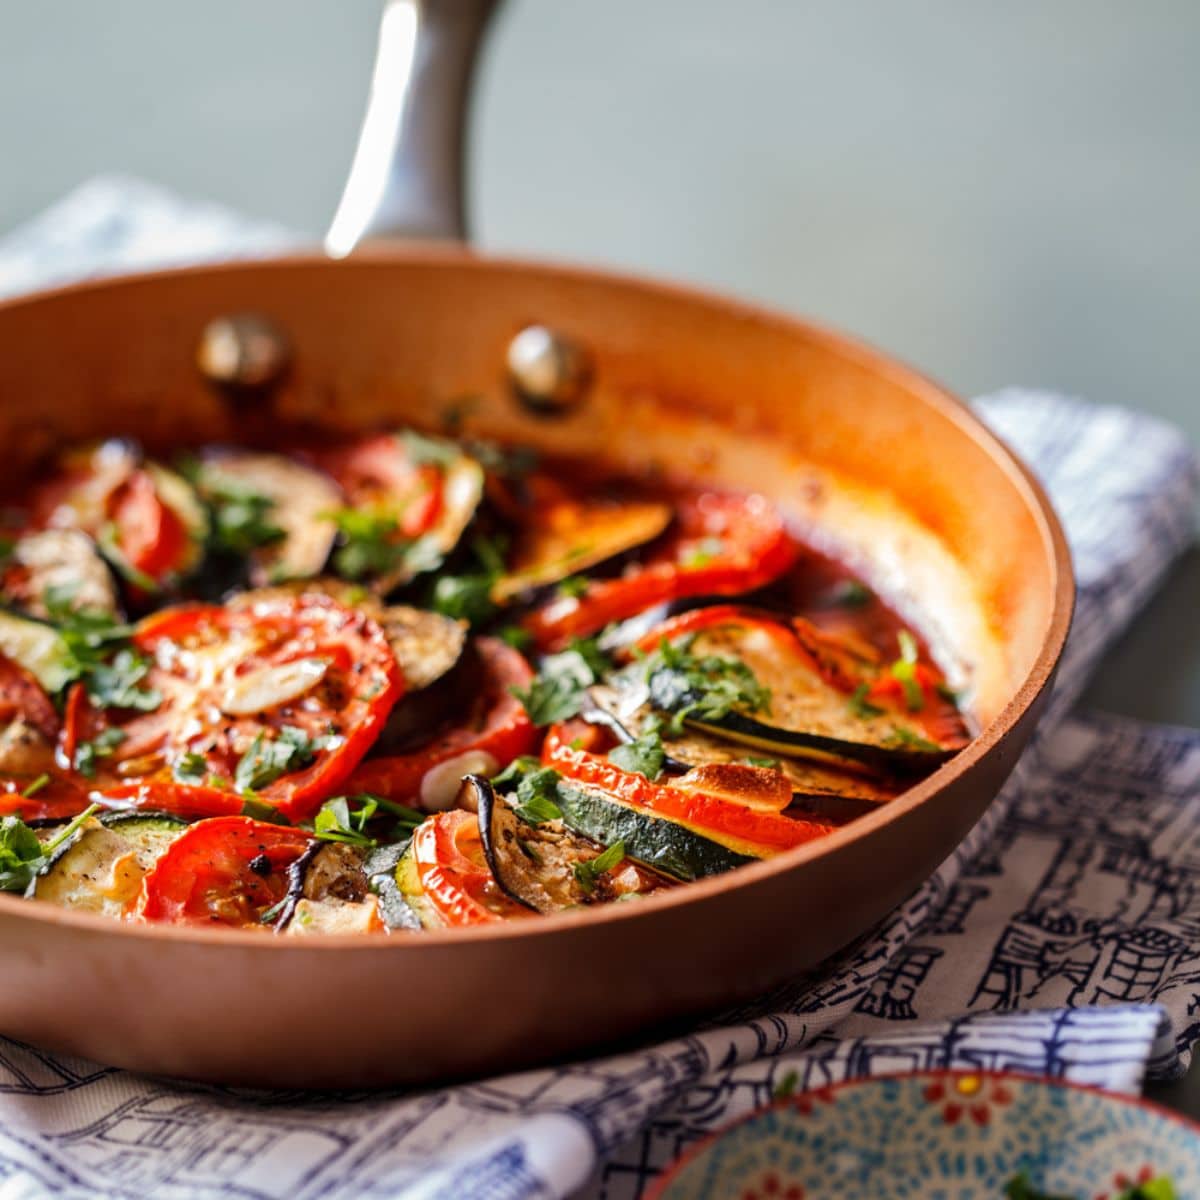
(478, 793)
(296, 873)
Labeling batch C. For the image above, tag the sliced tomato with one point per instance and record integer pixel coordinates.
(149, 536)
(754, 826)
(499, 731)
(721, 544)
(455, 878)
(223, 871)
(138, 512)
(379, 473)
(244, 682)
(29, 726)
(22, 697)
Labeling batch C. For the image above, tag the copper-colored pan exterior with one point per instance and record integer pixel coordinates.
(866, 455)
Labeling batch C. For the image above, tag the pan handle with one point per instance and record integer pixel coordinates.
(407, 177)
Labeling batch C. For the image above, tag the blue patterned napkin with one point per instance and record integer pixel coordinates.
(1063, 937)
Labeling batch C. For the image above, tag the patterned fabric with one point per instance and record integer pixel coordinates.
(1080, 888)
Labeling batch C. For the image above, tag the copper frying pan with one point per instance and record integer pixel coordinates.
(865, 455)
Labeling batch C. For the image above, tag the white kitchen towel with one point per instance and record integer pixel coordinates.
(1077, 890)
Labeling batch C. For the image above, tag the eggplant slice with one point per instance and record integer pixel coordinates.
(60, 562)
(297, 500)
(329, 892)
(535, 864)
(807, 717)
(838, 791)
(572, 536)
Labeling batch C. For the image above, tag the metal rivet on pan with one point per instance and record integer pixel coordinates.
(243, 350)
(548, 372)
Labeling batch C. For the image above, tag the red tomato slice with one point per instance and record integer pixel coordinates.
(722, 545)
(27, 761)
(240, 681)
(501, 730)
(223, 871)
(22, 696)
(577, 750)
(105, 489)
(455, 879)
(378, 473)
(149, 535)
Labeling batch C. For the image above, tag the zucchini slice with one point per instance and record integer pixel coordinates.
(277, 511)
(102, 867)
(664, 846)
(571, 536)
(63, 562)
(37, 647)
(536, 865)
(807, 716)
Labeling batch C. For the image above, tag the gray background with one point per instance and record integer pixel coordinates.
(999, 193)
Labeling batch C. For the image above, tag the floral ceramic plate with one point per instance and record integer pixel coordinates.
(941, 1135)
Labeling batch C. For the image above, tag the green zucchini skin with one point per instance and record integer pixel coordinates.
(662, 845)
(37, 647)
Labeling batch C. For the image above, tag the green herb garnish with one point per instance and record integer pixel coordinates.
(23, 857)
(368, 543)
(572, 587)
(904, 739)
(904, 671)
(241, 519)
(115, 684)
(265, 761)
(644, 755)
(700, 688)
(772, 764)
(35, 786)
(860, 706)
(559, 690)
(89, 754)
(533, 788)
(587, 872)
(468, 597)
(191, 767)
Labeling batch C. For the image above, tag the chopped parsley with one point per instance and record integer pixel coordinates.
(904, 739)
(860, 706)
(345, 819)
(265, 761)
(644, 755)
(904, 671)
(23, 857)
(534, 789)
(241, 518)
(700, 688)
(702, 553)
(368, 543)
(572, 587)
(771, 764)
(559, 690)
(468, 597)
(191, 767)
(98, 652)
(116, 684)
(89, 754)
(588, 871)
(35, 785)
(515, 636)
